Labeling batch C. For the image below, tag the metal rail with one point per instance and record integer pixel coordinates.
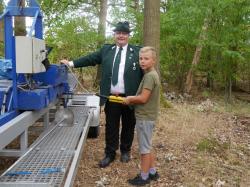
(18, 125)
(52, 161)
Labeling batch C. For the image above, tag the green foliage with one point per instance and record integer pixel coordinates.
(180, 28)
(207, 145)
(129, 11)
(1, 42)
(211, 145)
(225, 47)
(206, 93)
(73, 39)
(71, 28)
(56, 11)
(164, 102)
(228, 37)
(1, 6)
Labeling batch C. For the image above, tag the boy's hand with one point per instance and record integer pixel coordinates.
(127, 100)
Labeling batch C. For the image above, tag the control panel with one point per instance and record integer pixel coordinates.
(30, 52)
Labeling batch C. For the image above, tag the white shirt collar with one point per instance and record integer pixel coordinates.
(124, 47)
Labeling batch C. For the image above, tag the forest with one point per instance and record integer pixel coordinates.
(205, 39)
(200, 44)
(203, 47)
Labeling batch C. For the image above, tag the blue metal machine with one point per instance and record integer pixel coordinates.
(24, 89)
(31, 90)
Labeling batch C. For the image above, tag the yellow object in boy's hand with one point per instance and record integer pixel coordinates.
(116, 99)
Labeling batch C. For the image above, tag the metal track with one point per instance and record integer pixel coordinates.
(48, 163)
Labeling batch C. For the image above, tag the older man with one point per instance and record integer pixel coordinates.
(121, 76)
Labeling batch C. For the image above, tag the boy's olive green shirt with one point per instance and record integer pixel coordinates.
(149, 111)
(105, 57)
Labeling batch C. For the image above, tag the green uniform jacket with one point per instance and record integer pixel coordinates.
(105, 56)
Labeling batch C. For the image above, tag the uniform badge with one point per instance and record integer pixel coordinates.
(134, 68)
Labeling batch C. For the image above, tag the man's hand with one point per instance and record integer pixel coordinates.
(64, 61)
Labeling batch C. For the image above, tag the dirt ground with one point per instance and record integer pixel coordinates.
(196, 143)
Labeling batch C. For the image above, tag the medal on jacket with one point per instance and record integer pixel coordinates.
(130, 55)
(134, 68)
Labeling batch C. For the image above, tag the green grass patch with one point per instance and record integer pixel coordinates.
(207, 145)
(236, 108)
(206, 94)
(164, 102)
(211, 145)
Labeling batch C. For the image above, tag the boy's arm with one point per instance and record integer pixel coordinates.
(142, 98)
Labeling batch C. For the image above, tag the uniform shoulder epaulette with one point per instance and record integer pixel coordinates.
(137, 46)
(108, 44)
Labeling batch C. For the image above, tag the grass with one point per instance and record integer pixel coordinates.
(164, 102)
(237, 107)
(211, 145)
(207, 145)
(210, 139)
(192, 149)
(206, 94)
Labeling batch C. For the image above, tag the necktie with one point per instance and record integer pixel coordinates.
(116, 67)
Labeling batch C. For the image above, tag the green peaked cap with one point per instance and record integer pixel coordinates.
(122, 27)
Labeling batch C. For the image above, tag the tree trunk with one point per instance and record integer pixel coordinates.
(196, 58)
(138, 23)
(228, 90)
(101, 32)
(102, 20)
(1, 24)
(20, 23)
(136, 5)
(1, 31)
(151, 27)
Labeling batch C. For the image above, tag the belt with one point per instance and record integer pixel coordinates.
(120, 95)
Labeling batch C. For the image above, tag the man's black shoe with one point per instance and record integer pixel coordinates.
(138, 181)
(106, 161)
(125, 157)
(154, 177)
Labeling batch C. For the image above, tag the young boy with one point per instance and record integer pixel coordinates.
(147, 101)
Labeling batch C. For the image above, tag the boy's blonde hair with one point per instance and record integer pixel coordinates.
(149, 49)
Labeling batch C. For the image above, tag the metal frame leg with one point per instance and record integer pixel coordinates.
(46, 120)
(24, 141)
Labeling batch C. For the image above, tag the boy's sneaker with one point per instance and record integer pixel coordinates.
(138, 181)
(154, 177)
